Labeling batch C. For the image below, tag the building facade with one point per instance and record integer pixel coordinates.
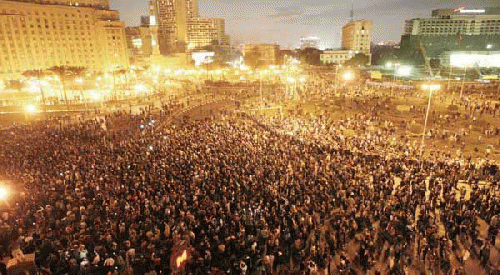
(171, 17)
(55, 33)
(260, 55)
(139, 43)
(309, 42)
(356, 36)
(356, 39)
(204, 32)
(450, 33)
(337, 57)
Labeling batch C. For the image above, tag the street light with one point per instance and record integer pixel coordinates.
(141, 88)
(291, 81)
(348, 76)
(95, 96)
(431, 88)
(30, 108)
(4, 193)
(401, 71)
(80, 83)
(404, 71)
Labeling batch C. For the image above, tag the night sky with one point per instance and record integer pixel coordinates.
(285, 21)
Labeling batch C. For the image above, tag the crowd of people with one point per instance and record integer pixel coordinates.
(238, 194)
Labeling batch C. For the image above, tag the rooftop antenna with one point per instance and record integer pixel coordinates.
(352, 11)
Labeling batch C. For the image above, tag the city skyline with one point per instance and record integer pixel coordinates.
(285, 22)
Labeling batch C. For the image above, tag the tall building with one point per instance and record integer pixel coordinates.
(204, 32)
(356, 36)
(455, 36)
(309, 42)
(139, 42)
(172, 18)
(42, 34)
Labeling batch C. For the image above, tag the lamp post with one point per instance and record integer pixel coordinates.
(431, 88)
(402, 71)
(292, 81)
(348, 76)
(80, 84)
(336, 77)
(463, 83)
(260, 87)
(303, 87)
(390, 65)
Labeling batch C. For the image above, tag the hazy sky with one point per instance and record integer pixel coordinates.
(285, 21)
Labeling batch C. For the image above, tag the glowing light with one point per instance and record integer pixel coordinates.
(404, 70)
(303, 79)
(95, 96)
(4, 193)
(181, 259)
(32, 88)
(290, 80)
(473, 11)
(151, 148)
(201, 58)
(348, 76)
(431, 87)
(152, 20)
(141, 88)
(489, 46)
(389, 65)
(30, 108)
(466, 59)
(79, 80)
(137, 42)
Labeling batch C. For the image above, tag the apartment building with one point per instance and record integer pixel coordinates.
(450, 33)
(42, 34)
(356, 36)
(171, 17)
(203, 32)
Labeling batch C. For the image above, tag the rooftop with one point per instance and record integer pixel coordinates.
(466, 11)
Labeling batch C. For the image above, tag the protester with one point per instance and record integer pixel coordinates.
(241, 195)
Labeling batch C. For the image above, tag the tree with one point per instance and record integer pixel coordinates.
(359, 59)
(66, 73)
(38, 74)
(382, 54)
(435, 63)
(310, 56)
